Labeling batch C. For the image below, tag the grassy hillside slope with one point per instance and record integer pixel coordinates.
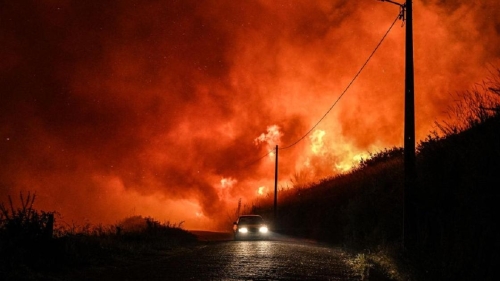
(456, 202)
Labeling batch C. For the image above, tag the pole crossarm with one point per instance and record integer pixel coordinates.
(395, 3)
(402, 6)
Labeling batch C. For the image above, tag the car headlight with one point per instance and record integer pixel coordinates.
(263, 229)
(243, 230)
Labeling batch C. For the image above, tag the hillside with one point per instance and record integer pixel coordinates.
(456, 203)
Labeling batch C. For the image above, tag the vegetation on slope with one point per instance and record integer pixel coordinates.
(31, 248)
(455, 199)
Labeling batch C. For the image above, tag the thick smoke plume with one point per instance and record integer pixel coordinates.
(159, 108)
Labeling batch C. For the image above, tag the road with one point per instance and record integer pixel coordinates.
(277, 259)
(261, 260)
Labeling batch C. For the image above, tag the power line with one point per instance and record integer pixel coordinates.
(258, 159)
(345, 90)
(331, 107)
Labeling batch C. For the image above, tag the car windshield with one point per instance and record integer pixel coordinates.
(251, 220)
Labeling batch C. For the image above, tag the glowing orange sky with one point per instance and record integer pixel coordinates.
(155, 108)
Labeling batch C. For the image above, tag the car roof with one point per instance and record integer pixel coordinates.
(242, 216)
(250, 218)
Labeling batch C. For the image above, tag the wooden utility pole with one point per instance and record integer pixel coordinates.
(409, 135)
(276, 187)
(410, 174)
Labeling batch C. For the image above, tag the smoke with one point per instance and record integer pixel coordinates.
(155, 108)
(271, 138)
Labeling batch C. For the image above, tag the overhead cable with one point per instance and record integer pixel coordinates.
(345, 90)
(336, 101)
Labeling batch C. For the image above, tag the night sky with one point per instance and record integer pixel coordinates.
(110, 109)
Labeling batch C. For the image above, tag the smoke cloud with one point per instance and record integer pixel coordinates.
(161, 108)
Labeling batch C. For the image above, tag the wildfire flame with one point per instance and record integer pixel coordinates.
(317, 144)
(261, 190)
(271, 138)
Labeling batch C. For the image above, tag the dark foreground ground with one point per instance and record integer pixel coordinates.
(217, 257)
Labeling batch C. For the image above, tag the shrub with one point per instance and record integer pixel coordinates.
(25, 223)
(28, 248)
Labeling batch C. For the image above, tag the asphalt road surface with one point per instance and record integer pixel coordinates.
(276, 259)
(260, 260)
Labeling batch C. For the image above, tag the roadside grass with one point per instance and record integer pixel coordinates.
(33, 245)
(456, 201)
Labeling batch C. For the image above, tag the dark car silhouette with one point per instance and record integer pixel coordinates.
(250, 227)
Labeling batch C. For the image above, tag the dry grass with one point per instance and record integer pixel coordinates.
(455, 198)
(31, 248)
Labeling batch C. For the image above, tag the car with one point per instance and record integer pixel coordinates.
(250, 227)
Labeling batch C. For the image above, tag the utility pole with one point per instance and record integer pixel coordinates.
(238, 211)
(276, 187)
(410, 174)
(409, 134)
